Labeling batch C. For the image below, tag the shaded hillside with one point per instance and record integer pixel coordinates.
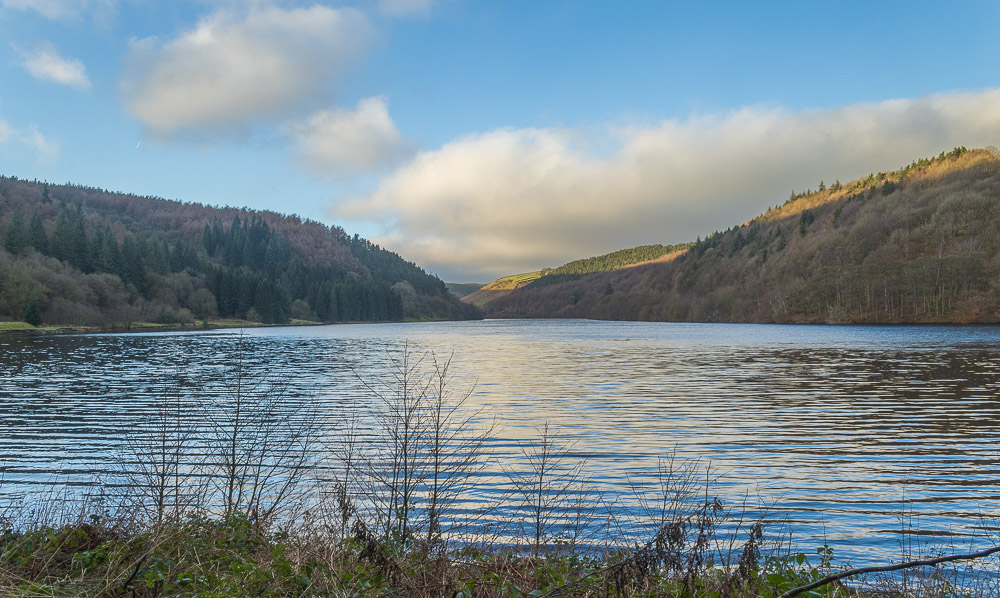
(461, 289)
(83, 256)
(920, 244)
(500, 288)
(623, 258)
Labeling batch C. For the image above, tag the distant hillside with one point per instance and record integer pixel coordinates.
(499, 288)
(623, 258)
(920, 244)
(461, 289)
(82, 256)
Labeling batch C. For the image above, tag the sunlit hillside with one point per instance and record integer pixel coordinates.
(500, 288)
(919, 244)
(623, 258)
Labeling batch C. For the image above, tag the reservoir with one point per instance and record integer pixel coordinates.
(847, 435)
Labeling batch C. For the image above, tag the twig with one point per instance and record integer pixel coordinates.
(888, 568)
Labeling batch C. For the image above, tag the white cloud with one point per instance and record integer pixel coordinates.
(514, 200)
(344, 143)
(5, 131)
(231, 71)
(401, 8)
(45, 64)
(45, 150)
(62, 9)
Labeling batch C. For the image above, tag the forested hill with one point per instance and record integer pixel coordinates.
(920, 244)
(82, 256)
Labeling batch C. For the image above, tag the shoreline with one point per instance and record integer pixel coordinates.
(25, 329)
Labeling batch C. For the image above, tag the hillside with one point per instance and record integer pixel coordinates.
(461, 289)
(920, 244)
(499, 288)
(623, 258)
(75, 255)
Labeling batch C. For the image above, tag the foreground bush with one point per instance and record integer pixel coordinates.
(200, 556)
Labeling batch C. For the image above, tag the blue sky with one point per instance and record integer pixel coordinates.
(486, 138)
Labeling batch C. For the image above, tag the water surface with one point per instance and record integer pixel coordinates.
(845, 429)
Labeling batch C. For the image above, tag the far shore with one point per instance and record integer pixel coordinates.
(25, 329)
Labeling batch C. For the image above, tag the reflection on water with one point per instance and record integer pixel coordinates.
(839, 425)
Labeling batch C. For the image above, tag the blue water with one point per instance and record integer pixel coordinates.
(851, 433)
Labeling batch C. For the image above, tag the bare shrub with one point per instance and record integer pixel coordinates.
(550, 493)
(424, 451)
(259, 449)
(155, 472)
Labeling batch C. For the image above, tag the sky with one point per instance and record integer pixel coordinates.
(484, 138)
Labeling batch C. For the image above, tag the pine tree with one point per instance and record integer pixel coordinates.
(33, 313)
(62, 236)
(79, 256)
(15, 240)
(36, 234)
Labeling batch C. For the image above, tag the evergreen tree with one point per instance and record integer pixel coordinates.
(15, 240)
(805, 221)
(33, 313)
(79, 256)
(245, 296)
(333, 311)
(218, 236)
(265, 302)
(132, 268)
(109, 258)
(62, 236)
(206, 240)
(36, 234)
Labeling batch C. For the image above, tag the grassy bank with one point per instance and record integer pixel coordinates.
(233, 555)
(25, 328)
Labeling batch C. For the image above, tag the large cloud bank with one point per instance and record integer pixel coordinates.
(514, 200)
(234, 70)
